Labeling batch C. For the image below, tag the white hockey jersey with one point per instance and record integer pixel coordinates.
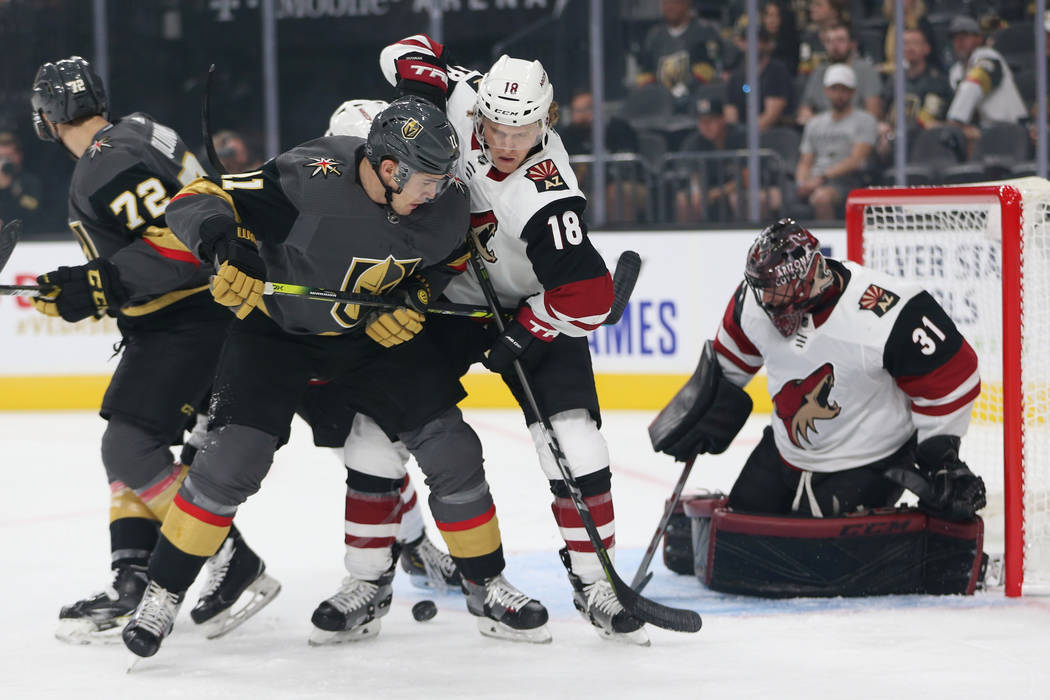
(529, 224)
(858, 378)
(985, 85)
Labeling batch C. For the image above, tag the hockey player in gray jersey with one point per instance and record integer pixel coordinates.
(366, 217)
(171, 333)
(527, 221)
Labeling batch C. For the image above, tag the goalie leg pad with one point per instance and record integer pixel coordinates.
(895, 552)
(704, 416)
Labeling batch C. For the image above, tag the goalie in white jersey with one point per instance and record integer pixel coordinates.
(868, 375)
(527, 221)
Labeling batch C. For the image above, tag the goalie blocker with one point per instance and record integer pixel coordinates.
(889, 551)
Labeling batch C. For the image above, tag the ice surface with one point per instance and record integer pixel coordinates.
(53, 528)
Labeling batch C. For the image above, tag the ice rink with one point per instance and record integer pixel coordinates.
(53, 525)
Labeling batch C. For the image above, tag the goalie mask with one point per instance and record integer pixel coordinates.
(515, 93)
(64, 91)
(354, 118)
(787, 273)
(418, 136)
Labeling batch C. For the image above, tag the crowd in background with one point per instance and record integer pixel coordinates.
(675, 89)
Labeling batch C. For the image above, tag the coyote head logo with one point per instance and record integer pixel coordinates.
(800, 402)
(483, 227)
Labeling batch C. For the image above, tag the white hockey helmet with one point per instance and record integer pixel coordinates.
(515, 92)
(354, 117)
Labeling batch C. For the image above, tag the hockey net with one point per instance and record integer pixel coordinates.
(982, 250)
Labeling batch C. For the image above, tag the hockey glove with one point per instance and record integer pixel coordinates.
(393, 327)
(241, 273)
(956, 493)
(516, 342)
(81, 291)
(419, 73)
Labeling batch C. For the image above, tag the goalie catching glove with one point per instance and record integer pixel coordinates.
(81, 291)
(241, 276)
(396, 326)
(944, 483)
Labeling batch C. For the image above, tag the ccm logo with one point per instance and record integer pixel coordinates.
(859, 529)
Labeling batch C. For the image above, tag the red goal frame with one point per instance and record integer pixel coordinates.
(1009, 201)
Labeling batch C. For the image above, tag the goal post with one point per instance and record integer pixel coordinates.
(982, 251)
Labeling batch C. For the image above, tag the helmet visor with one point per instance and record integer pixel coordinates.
(422, 187)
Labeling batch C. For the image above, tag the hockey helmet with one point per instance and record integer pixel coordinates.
(786, 272)
(64, 91)
(354, 117)
(417, 135)
(515, 92)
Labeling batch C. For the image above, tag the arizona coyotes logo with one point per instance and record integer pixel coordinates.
(370, 276)
(878, 300)
(801, 402)
(483, 227)
(546, 177)
(324, 167)
(411, 129)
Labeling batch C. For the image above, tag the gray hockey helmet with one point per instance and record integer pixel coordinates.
(417, 135)
(64, 91)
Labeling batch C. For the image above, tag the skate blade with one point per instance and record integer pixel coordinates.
(637, 638)
(85, 631)
(255, 597)
(321, 638)
(498, 630)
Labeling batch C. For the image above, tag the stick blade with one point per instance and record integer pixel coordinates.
(625, 276)
(8, 239)
(657, 614)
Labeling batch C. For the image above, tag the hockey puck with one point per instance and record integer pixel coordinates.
(424, 610)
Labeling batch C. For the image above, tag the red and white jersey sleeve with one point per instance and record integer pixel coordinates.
(737, 355)
(934, 366)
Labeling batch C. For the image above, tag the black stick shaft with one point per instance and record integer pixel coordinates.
(643, 567)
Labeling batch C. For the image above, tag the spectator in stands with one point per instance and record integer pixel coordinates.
(711, 192)
(236, 154)
(926, 92)
(620, 136)
(779, 21)
(776, 87)
(838, 42)
(20, 191)
(914, 18)
(681, 53)
(626, 194)
(984, 86)
(823, 14)
(835, 147)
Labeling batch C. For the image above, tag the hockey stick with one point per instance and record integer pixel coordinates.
(25, 290)
(330, 295)
(209, 147)
(640, 577)
(675, 619)
(624, 278)
(8, 240)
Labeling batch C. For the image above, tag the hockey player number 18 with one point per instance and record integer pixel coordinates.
(573, 231)
(919, 335)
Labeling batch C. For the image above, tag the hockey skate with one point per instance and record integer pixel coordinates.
(429, 567)
(99, 619)
(598, 604)
(504, 612)
(353, 613)
(237, 588)
(152, 621)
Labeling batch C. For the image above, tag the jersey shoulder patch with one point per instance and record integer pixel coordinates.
(878, 300)
(546, 177)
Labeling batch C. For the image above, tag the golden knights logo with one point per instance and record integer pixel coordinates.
(324, 167)
(370, 276)
(97, 145)
(411, 129)
(801, 402)
(546, 177)
(878, 300)
(483, 227)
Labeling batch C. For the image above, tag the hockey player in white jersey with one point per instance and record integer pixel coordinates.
(868, 375)
(527, 221)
